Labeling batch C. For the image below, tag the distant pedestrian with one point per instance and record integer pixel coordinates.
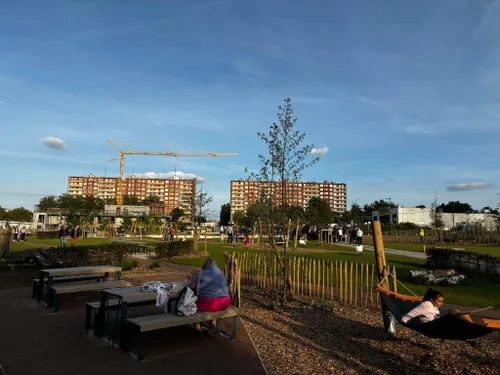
(230, 234)
(359, 236)
(16, 233)
(75, 233)
(339, 235)
(421, 234)
(23, 234)
(247, 240)
(63, 233)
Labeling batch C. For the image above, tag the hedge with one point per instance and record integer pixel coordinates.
(464, 261)
(90, 255)
(173, 248)
(47, 235)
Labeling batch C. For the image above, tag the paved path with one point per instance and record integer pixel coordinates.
(403, 253)
(36, 341)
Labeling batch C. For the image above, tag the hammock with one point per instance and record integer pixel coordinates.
(449, 326)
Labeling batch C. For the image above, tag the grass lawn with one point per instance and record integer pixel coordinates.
(483, 249)
(472, 292)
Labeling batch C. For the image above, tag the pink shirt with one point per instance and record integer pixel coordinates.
(426, 311)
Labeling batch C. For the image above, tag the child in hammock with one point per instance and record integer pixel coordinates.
(428, 310)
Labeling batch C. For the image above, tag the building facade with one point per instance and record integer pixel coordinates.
(174, 193)
(422, 217)
(246, 192)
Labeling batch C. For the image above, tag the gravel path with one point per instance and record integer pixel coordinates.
(308, 338)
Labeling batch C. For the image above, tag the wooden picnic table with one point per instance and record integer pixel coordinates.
(127, 296)
(50, 273)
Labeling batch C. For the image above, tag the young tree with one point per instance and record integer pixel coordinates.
(176, 214)
(436, 217)
(286, 158)
(201, 202)
(225, 214)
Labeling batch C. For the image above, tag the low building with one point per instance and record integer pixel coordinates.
(422, 217)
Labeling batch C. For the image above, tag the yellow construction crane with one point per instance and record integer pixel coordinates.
(119, 193)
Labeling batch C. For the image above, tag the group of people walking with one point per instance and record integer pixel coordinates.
(74, 233)
(352, 234)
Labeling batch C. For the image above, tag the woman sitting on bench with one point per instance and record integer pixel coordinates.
(212, 291)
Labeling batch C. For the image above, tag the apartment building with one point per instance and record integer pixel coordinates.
(245, 193)
(173, 192)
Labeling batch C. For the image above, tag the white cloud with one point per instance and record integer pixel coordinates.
(55, 143)
(169, 176)
(469, 186)
(322, 151)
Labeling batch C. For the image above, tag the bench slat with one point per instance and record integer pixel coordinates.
(73, 278)
(74, 288)
(160, 321)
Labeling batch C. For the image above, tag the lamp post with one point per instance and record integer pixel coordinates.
(390, 212)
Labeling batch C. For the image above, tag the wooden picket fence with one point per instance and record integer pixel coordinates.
(345, 282)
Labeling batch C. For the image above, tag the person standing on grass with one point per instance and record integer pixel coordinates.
(230, 234)
(247, 240)
(422, 234)
(359, 236)
(74, 235)
(63, 233)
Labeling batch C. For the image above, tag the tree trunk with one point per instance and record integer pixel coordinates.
(280, 261)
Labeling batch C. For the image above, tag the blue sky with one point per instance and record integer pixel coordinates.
(403, 93)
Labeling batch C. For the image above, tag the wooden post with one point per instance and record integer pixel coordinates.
(394, 280)
(356, 286)
(261, 237)
(205, 240)
(378, 242)
(323, 279)
(350, 285)
(341, 287)
(296, 236)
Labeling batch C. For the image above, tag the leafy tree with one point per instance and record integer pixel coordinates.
(318, 212)
(151, 199)
(356, 213)
(421, 206)
(456, 207)
(19, 214)
(47, 202)
(3, 214)
(132, 200)
(239, 217)
(200, 219)
(126, 225)
(377, 206)
(225, 214)
(285, 161)
(176, 214)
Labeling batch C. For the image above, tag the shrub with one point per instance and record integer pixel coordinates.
(129, 264)
(154, 264)
(463, 261)
(47, 235)
(174, 248)
(91, 255)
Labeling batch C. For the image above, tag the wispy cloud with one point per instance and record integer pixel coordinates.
(169, 176)
(469, 186)
(365, 100)
(420, 130)
(55, 143)
(322, 151)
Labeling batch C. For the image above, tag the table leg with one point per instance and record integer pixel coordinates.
(40, 286)
(50, 296)
(118, 275)
(122, 322)
(100, 325)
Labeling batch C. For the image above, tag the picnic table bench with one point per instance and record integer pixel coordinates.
(47, 278)
(144, 324)
(63, 279)
(121, 299)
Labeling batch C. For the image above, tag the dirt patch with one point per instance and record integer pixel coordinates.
(309, 338)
